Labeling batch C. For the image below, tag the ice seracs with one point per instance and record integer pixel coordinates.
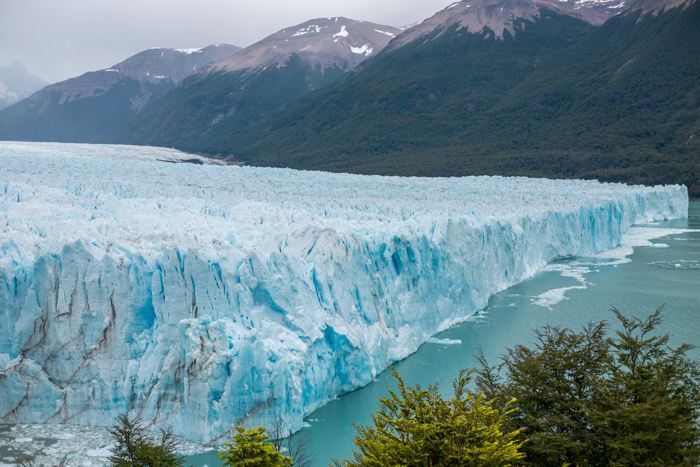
(201, 296)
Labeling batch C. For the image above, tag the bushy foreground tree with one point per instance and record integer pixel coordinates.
(417, 427)
(133, 449)
(251, 448)
(588, 399)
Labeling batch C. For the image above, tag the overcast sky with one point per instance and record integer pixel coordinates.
(60, 39)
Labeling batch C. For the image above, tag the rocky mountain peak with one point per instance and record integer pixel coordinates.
(156, 65)
(656, 6)
(498, 15)
(328, 42)
(160, 63)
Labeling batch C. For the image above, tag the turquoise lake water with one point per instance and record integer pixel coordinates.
(660, 275)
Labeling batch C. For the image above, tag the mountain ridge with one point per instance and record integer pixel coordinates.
(83, 109)
(149, 66)
(498, 15)
(615, 103)
(325, 41)
(232, 93)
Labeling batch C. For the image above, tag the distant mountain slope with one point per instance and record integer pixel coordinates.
(406, 97)
(16, 83)
(556, 98)
(234, 92)
(328, 42)
(82, 109)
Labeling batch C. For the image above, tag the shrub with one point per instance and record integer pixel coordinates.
(251, 449)
(133, 449)
(589, 399)
(417, 427)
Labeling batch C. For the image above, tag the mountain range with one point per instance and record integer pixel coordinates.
(85, 108)
(563, 89)
(558, 97)
(233, 93)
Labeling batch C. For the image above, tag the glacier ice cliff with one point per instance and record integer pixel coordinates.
(202, 296)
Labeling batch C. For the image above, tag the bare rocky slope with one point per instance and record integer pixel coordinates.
(329, 42)
(499, 15)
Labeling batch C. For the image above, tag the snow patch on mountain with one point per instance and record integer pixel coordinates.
(343, 32)
(6, 94)
(390, 34)
(190, 51)
(365, 49)
(311, 28)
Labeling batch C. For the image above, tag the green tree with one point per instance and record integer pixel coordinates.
(417, 427)
(589, 399)
(251, 449)
(133, 449)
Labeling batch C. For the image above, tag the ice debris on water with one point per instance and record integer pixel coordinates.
(201, 297)
(435, 340)
(76, 444)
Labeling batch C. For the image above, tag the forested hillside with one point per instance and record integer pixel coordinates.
(188, 116)
(560, 99)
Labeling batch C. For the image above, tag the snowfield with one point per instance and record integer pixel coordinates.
(204, 296)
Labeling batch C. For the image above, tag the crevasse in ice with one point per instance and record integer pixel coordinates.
(202, 296)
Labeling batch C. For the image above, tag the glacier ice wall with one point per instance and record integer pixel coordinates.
(201, 296)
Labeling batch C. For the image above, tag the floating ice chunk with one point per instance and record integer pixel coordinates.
(434, 340)
(637, 237)
(100, 452)
(554, 296)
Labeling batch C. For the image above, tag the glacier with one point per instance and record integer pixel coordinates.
(201, 296)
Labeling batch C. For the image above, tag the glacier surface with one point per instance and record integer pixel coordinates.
(203, 296)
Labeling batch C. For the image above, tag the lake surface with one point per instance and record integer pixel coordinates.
(568, 293)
